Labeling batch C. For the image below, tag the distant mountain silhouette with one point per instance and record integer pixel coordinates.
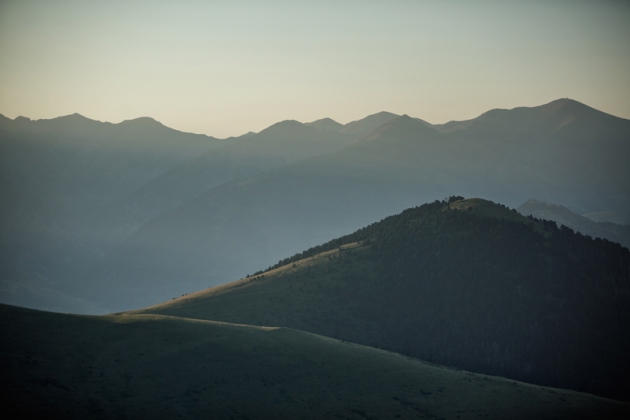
(403, 128)
(326, 124)
(143, 123)
(371, 122)
(464, 283)
(563, 216)
(547, 118)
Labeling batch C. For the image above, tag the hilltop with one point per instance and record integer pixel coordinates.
(465, 283)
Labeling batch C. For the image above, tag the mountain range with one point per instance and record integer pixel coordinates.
(100, 217)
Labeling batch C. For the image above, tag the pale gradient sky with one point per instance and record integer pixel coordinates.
(227, 67)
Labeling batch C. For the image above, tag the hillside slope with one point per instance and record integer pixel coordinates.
(146, 366)
(469, 284)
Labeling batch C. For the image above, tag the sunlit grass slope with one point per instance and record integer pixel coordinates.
(150, 366)
(465, 283)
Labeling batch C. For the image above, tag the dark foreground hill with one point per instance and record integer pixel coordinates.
(149, 366)
(469, 284)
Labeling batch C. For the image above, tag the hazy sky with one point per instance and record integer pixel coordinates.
(227, 67)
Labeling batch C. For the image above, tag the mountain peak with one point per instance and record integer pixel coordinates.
(402, 127)
(76, 117)
(141, 122)
(564, 104)
(369, 123)
(286, 127)
(325, 124)
(547, 118)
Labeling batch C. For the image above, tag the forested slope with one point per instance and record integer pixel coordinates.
(469, 284)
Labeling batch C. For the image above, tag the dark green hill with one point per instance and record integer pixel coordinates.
(148, 366)
(469, 284)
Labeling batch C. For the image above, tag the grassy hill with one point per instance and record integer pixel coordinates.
(151, 366)
(465, 283)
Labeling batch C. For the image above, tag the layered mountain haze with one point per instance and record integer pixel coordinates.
(563, 216)
(127, 223)
(241, 226)
(563, 143)
(73, 188)
(281, 144)
(464, 283)
(59, 179)
(326, 124)
(235, 229)
(616, 217)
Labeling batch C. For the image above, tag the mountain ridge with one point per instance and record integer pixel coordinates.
(565, 106)
(403, 127)
(486, 290)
